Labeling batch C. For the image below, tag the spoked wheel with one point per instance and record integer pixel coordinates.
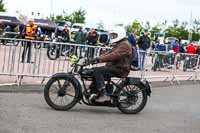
(62, 93)
(52, 53)
(132, 99)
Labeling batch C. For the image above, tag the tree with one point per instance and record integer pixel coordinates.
(78, 16)
(177, 30)
(147, 25)
(75, 17)
(175, 23)
(100, 25)
(2, 8)
(155, 29)
(196, 26)
(136, 25)
(59, 18)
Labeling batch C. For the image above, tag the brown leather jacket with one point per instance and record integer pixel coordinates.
(119, 58)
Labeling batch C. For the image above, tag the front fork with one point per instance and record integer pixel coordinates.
(62, 89)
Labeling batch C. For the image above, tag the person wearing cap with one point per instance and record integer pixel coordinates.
(92, 39)
(29, 33)
(143, 44)
(66, 34)
(80, 38)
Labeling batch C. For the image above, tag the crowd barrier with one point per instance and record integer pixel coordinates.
(174, 64)
(26, 58)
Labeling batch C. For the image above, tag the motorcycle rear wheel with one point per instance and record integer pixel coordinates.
(125, 105)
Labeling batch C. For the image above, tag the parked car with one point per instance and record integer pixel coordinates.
(169, 40)
(75, 27)
(103, 37)
(62, 24)
(159, 36)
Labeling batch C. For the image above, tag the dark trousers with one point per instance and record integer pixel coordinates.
(90, 52)
(27, 48)
(101, 74)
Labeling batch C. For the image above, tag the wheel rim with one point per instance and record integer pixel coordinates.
(52, 53)
(133, 100)
(56, 92)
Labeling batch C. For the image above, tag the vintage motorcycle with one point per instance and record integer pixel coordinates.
(161, 59)
(64, 90)
(55, 50)
(190, 62)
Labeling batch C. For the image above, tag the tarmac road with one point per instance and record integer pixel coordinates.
(173, 109)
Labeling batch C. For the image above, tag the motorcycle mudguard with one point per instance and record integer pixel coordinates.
(70, 76)
(140, 82)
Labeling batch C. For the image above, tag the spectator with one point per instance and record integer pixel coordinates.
(92, 39)
(153, 45)
(21, 30)
(80, 36)
(30, 32)
(175, 46)
(180, 46)
(1, 28)
(191, 49)
(132, 38)
(80, 39)
(65, 34)
(161, 46)
(143, 44)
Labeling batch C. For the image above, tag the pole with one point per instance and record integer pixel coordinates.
(51, 8)
(190, 30)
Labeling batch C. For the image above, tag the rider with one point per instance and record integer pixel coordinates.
(117, 63)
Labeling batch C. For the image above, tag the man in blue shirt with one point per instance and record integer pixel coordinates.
(132, 38)
(161, 46)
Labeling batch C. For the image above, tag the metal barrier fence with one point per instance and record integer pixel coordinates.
(29, 58)
(177, 65)
(26, 58)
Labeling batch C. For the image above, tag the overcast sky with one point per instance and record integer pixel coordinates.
(113, 11)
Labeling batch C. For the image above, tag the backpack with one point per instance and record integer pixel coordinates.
(134, 60)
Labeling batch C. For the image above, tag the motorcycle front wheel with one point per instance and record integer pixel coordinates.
(52, 53)
(132, 99)
(62, 92)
